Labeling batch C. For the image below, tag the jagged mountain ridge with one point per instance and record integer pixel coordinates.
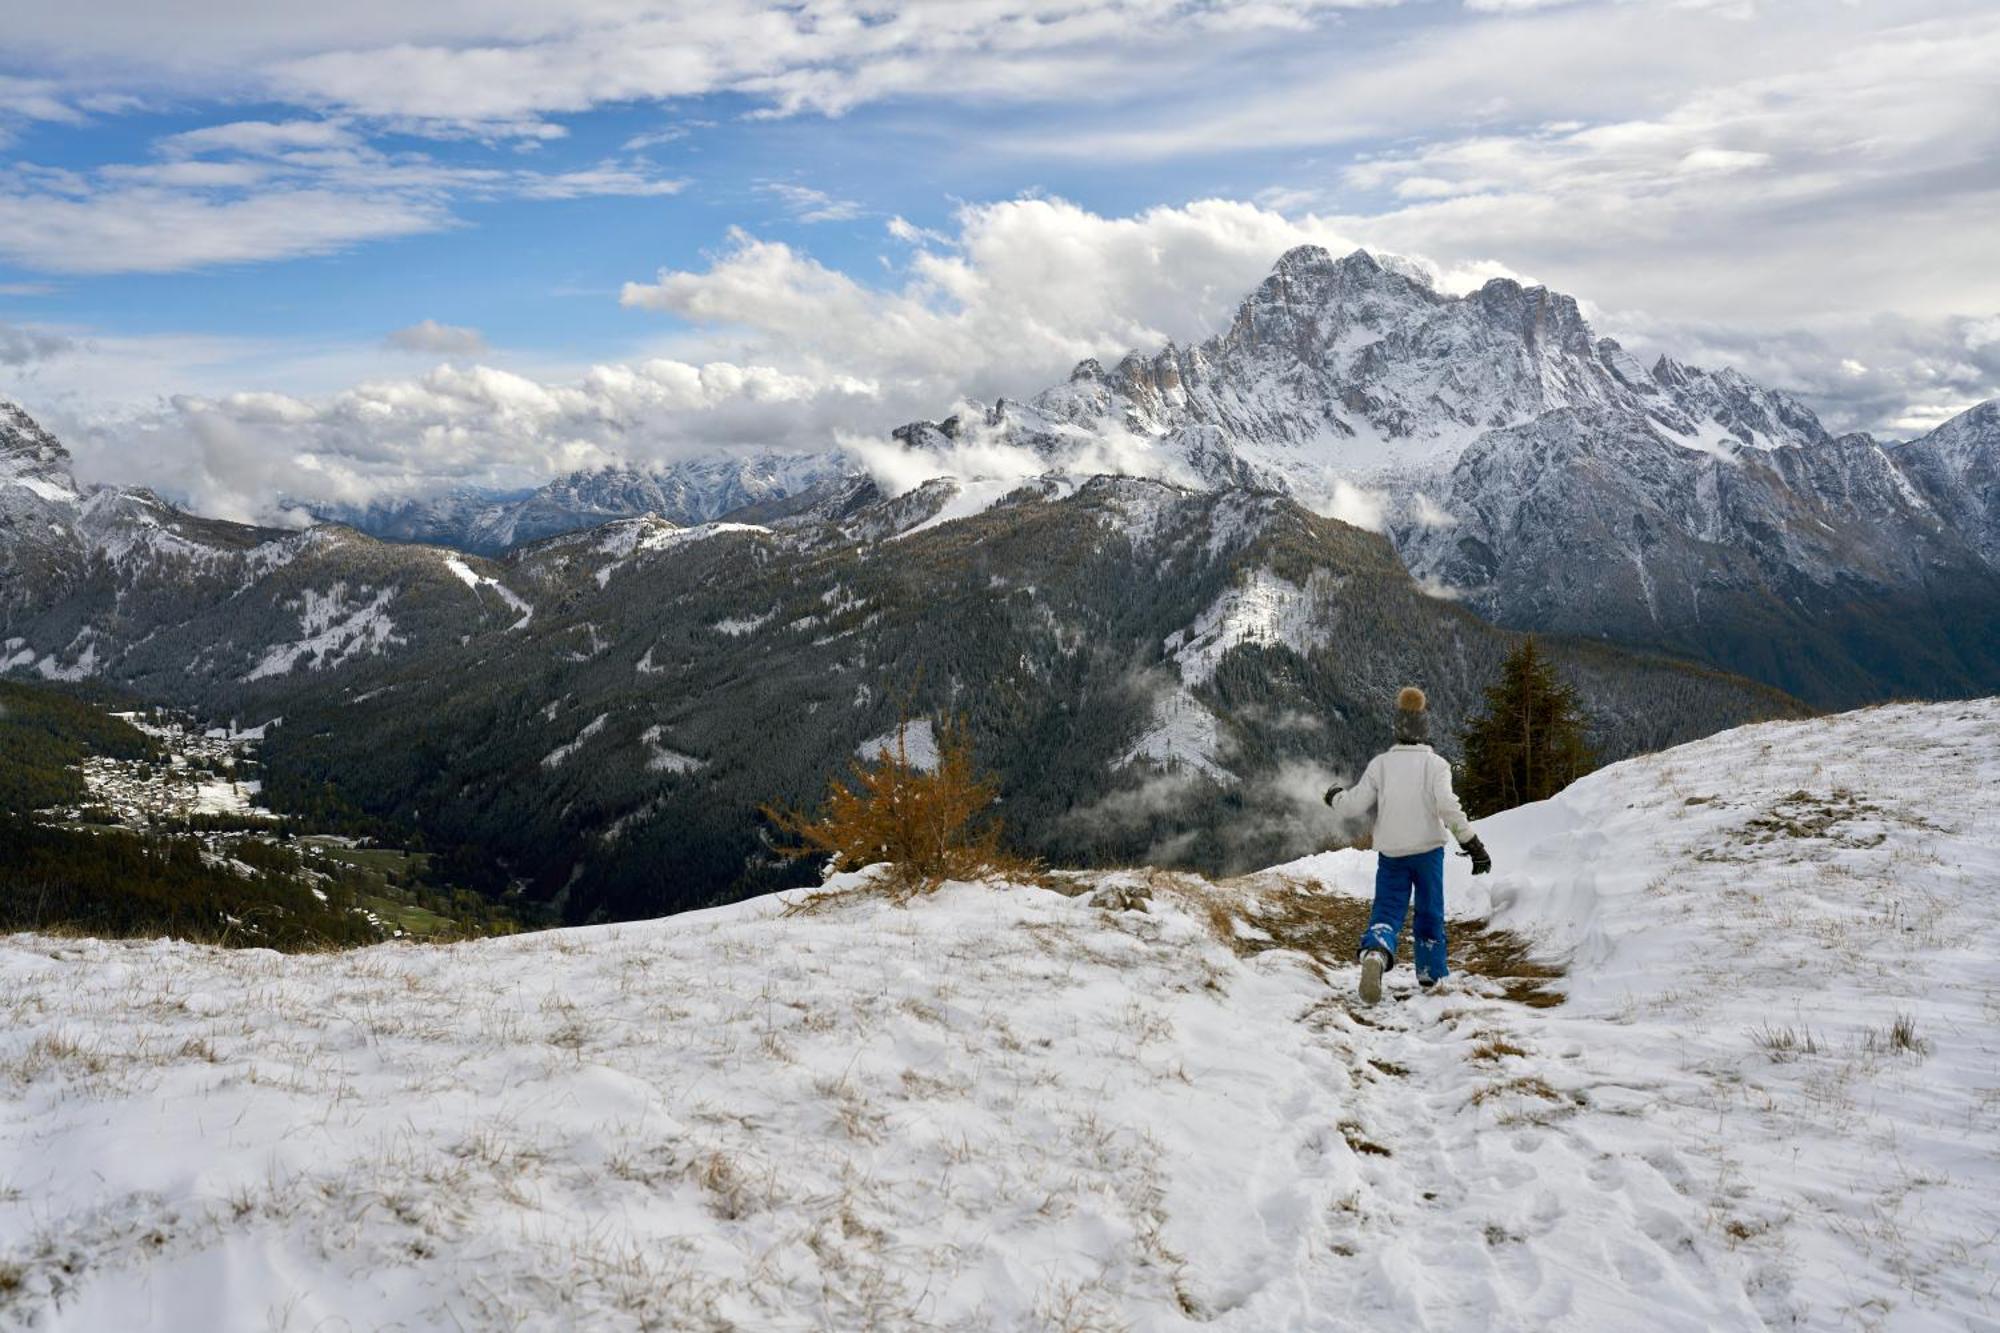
(1333, 371)
(1547, 477)
(1344, 370)
(1707, 516)
(688, 491)
(1821, 568)
(117, 584)
(1957, 468)
(1717, 519)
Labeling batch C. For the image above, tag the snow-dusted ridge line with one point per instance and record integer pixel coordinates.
(693, 490)
(628, 539)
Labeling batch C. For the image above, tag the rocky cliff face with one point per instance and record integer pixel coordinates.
(40, 553)
(1957, 468)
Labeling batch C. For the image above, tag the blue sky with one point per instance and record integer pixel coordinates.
(250, 251)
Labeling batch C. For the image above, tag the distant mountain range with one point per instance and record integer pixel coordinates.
(1155, 672)
(1516, 460)
(1159, 667)
(692, 490)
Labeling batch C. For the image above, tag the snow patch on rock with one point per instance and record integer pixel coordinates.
(334, 629)
(661, 759)
(1182, 735)
(561, 754)
(1262, 609)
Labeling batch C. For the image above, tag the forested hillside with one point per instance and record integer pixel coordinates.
(114, 827)
(1151, 673)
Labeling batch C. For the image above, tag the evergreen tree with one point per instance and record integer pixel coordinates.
(1529, 744)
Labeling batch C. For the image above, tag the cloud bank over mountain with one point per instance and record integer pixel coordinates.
(783, 351)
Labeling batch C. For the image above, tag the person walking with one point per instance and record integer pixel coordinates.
(1406, 792)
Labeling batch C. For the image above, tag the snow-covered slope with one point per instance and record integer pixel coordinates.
(1006, 1108)
(1748, 920)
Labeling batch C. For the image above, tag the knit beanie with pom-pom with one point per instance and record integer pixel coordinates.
(1413, 723)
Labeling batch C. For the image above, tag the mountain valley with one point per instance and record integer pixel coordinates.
(1165, 665)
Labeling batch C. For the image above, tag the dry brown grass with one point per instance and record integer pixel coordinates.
(1787, 1043)
(1528, 1085)
(1898, 1037)
(1298, 914)
(1494, 1048)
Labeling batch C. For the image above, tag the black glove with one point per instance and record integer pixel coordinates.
(1481, 862)
(1332, 792)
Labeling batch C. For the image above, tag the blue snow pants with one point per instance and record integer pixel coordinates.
(1395, 878)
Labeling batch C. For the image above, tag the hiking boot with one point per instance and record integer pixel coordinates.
(1373, 961)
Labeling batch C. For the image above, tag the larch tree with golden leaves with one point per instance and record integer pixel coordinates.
(929, 826)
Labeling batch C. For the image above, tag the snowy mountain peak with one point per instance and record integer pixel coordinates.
(1351, 371)
(1973, 430)
(1321, 291)
(22, 436)
(1537, 316)
(32, 461)
(1306, 258)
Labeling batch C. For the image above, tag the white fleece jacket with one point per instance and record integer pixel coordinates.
(1408, 790)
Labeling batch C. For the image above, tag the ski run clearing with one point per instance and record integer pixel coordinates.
(1769, 1097)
